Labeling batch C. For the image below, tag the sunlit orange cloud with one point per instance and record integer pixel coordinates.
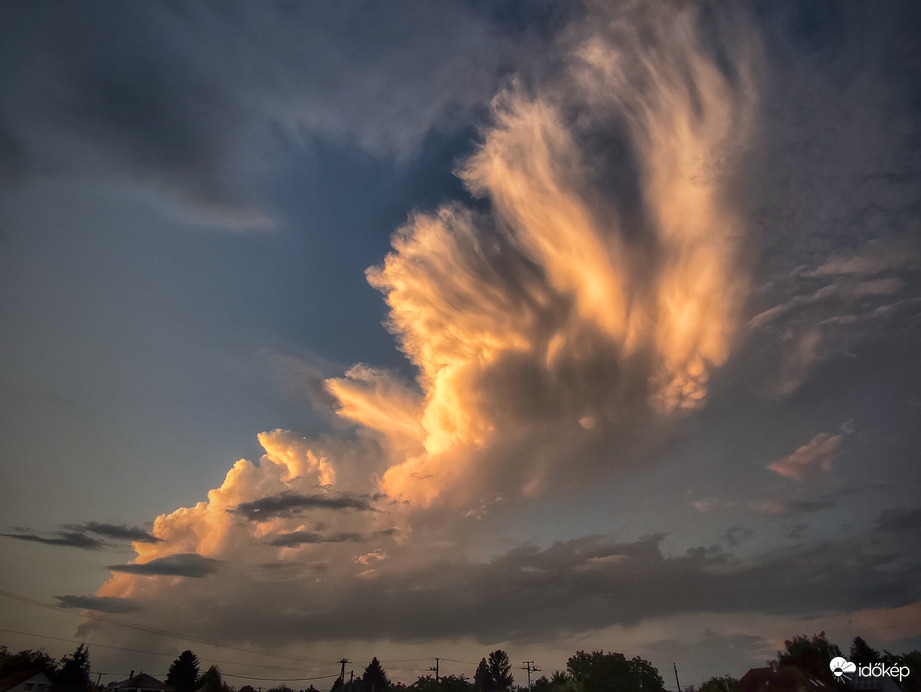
(381, 403)
(550, 277)
(539, 325)
(811, 461)
(212, 529)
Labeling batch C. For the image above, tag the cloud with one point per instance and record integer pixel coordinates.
(190, 122)
(101, 604)
(735, 535)
(878, 256)
(370, 558)
(296, 538)
(708, 504)
(288, 504)
(70, 539)
(899, 519)
(117, 531)
(796, 531)
(586, 301)
(563, 304)
(182, 565)
(783, 505)
(812, 461)
(583, 585)
(75, 535)
(836, 232)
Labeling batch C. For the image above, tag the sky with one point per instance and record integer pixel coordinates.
(416, 330)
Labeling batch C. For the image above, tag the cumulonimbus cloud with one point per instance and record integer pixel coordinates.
(542, 324)
(561, 303)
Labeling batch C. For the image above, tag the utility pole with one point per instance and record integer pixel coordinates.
(436, 670)
(675, 666)
(528, 667)
(343, 661)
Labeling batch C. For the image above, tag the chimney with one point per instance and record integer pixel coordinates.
(131, 677)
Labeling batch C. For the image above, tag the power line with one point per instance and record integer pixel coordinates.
(244, 677)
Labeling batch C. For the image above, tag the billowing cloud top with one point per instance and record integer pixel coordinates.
(566, 304)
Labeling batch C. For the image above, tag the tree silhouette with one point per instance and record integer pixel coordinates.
(75, 672)
(560, 678)
(500, 670)
(725, 683)
(27, 659)
(183, 672)
(482, 679)
(455, 683)
(601, 672)
(211, 681)
(281, 688)
(810, 655)
(374, 678)
(862, 654)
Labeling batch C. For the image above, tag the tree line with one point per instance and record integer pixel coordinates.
(595, 671)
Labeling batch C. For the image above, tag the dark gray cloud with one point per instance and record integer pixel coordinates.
(204, 98)
(899, 519)
(735, 535)
(795, 531)
(786, 506)
(117, 531)
(180, 565)
(531, 594)
(103, 604)
(76, 535)
(295, 538)
(290, 503)
(71, 539)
